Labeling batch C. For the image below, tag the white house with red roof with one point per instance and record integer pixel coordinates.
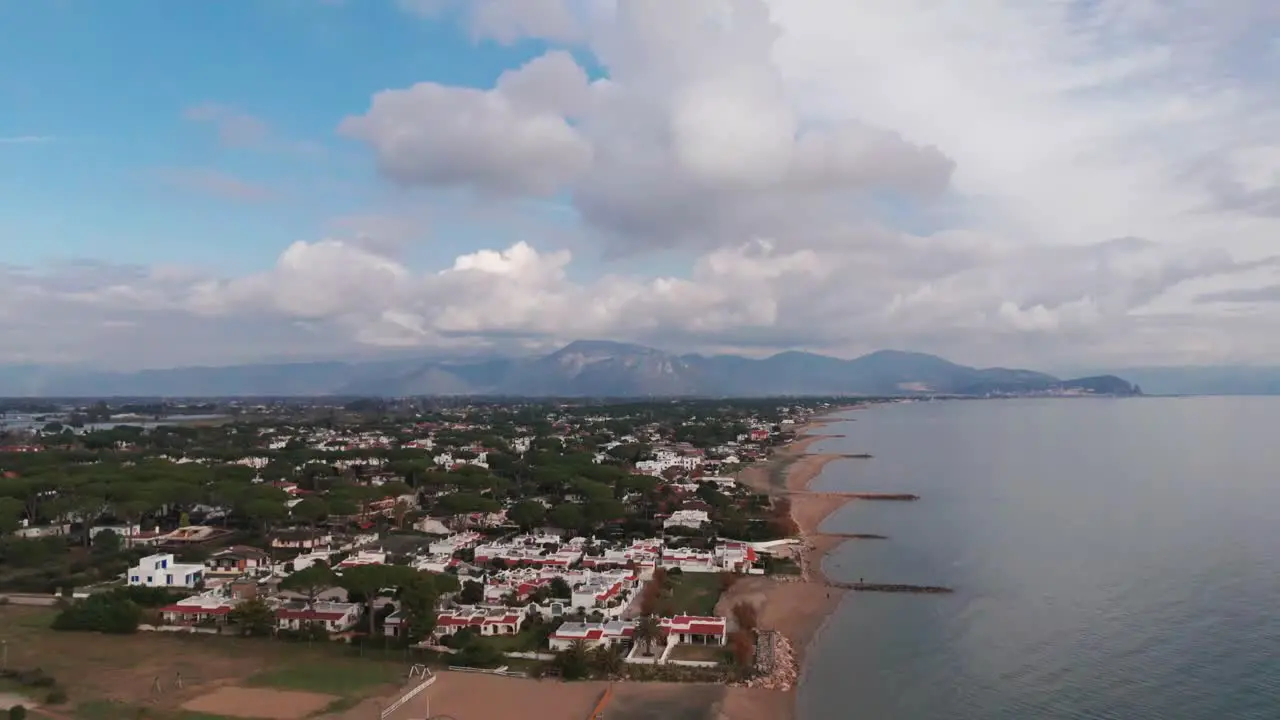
(205, 607)
(332, 616)
(642, 553)
(696, 630)
(524, 551)
(679, 629)
(485, 621)
(614, 632)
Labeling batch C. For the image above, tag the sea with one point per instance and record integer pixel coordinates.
(1112, 559)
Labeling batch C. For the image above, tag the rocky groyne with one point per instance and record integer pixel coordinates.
(776, 667)
(892, 588)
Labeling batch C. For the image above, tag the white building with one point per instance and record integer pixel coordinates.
(332, 616)
(686, 518)
(162, 570)
(614, 632)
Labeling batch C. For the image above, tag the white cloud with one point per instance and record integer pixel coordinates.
(1045, 184)
(512, 139)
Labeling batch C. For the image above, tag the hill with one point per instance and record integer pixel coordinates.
(585, 368)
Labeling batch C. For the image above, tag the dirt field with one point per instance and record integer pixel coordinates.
(664, 701)
(109, 677)
(473, 696)
(259, 703)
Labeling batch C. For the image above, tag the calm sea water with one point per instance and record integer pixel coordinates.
(1111, 559)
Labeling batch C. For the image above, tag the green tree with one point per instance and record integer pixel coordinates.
(112, 613)
(560, 588)
(10, 514)
(473, 592)
(568, 516)
(574, 661)
(367, 580)
(310, 510)
(607, 660)
(310, 581)
(254, 617)
(106, 543)
(528, 514)
(648, 631)
(264, 513)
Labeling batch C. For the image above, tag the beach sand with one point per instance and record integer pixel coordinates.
(795, 609)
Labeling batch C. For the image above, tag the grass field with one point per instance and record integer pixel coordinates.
(685, 651)
(113, 677)
(328, 675)
(694, 593)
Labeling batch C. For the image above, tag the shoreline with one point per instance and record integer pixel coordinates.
(797, 609)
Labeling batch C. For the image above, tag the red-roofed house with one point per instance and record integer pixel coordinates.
(614, 632)
(696, 630)
(206, 607)
(332, 616)
(492, 621)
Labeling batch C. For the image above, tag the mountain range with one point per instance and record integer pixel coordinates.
(585, 368)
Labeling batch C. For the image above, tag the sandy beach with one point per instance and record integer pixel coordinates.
(797, 609)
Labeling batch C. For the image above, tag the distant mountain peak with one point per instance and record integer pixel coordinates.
(583, 368)
(604, 347)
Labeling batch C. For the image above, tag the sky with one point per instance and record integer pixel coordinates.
(1060, 183)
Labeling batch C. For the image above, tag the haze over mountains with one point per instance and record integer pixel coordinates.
(580, 369)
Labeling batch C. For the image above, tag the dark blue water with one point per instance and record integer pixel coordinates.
(1111, 559)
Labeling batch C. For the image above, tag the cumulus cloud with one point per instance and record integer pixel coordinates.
(512, 139)
(691, 139)
(990, 306)
(1077, 182)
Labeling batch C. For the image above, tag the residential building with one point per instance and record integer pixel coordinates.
(614, 632)
(696, 630)
(208, 607)
(332, 616)
(162, 570)
(686, 519)
(485, 621)
(237, 560)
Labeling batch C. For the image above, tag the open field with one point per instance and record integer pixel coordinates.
(114, 677)
(694, 593)
(474, 696)
(258, 703)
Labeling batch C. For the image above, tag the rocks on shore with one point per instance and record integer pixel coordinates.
(776, 667)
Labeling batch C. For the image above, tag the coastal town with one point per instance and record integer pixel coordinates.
(669, 542)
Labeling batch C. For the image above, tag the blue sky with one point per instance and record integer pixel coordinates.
(127, 175)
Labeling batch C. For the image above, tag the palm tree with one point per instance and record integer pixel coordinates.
(607, 660)
(573, 661)
(648, 631)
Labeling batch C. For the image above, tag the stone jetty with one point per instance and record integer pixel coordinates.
(892, 588)
(775, 667)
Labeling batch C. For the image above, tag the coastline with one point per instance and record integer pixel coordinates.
(797, 609)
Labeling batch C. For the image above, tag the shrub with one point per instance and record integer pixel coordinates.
(56, 696)
(479, 654)
(17, 712)
(107, 612)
